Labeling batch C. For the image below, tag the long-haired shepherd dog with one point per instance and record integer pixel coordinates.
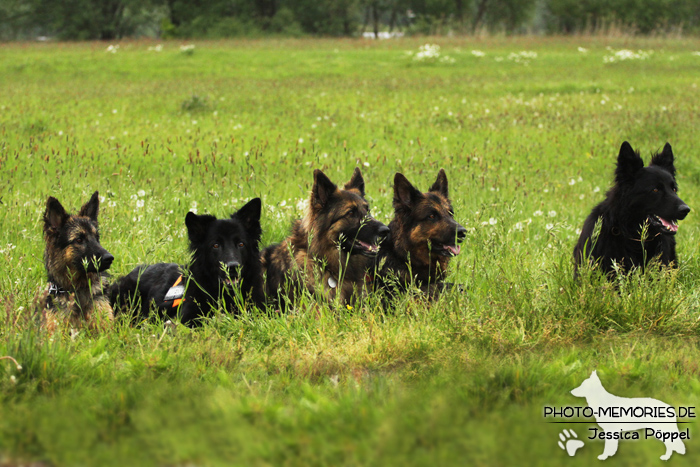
(638, 219)
(75, 264)
(331, 247)
(225, 256)
(424, 237)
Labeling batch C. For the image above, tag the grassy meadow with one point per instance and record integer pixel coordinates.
(528, 130)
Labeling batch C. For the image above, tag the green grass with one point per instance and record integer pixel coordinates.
(529, 147)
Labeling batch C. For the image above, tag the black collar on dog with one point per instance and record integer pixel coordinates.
(55, 290)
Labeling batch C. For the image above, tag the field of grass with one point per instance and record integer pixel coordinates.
(527, 129)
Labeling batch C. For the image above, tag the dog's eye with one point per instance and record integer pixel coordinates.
(80, 240)
(432, 217)
(215, 246)
(240, 245)
(656, 190)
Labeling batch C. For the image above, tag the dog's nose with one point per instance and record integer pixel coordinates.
(683, 211)
(106, 261)
(233, 265)
(382, 233)
(461, 234)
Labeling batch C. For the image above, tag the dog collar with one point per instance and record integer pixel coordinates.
(176, 293)
(55, 290)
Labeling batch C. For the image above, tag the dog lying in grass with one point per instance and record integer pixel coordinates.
(225, 264)
(330, 249)
(638, 219)
(75, 264)
(424, 237)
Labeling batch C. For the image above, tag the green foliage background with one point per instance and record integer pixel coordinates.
(218, 19)
(529, 143)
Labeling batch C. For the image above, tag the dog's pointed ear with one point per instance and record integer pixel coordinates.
(628, 163)
(440, 185)
(249, 215)
(357, 182)
(197, 227)
(405, 194)
(664, 159)
(92, 208)
(54, 216)
(322, 190)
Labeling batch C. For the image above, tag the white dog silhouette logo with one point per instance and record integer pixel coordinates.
(617, 414)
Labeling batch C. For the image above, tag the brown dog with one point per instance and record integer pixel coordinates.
(75, 264)
(330, 249)
(424, 237)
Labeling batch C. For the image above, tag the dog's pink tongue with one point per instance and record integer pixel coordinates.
(367, 246)
(672, 226)
(454, 249)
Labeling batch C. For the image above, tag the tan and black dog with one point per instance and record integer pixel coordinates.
(330, 249)
(423, 237)
(75, 264)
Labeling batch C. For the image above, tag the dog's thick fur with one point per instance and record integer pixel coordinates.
(643, 200)
(332, 246)
(225, 252)
(601, 400)
(423, 237)
(75, 265)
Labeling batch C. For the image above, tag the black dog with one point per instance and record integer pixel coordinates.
(224, 253)
(638, 219)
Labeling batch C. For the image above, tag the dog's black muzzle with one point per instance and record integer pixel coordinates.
(99, 261)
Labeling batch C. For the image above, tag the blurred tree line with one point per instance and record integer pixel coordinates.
(115, 19)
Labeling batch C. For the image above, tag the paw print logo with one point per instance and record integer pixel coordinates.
(569, 443)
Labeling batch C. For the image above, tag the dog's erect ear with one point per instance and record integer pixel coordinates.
(357, 182)
(628, 163)
(405, 194)
(249, 215)
(322, 191)
(54, 216)
(92, 208)
(440, 185)
(664, 159)
(197, 227)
